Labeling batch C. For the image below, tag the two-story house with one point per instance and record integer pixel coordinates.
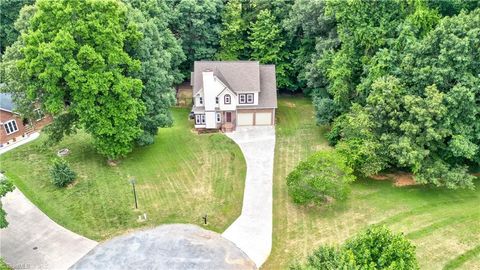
(227, 94)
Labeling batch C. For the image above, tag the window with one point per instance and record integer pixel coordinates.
(216, 100)
(227, 99)
(199, 119)
(10, 126)
(219, 118)
(200, 100)
(241, 98)
(249, 98)
(39, 114)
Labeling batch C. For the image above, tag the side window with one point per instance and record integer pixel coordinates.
(216, 100)
(227, 99)
(241, 98)
(219, 118)
(250, 98)
(200, 100)
(11, 127)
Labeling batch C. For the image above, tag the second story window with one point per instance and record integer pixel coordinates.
(216, 100)
(200, 100)
(227, 99)
(241, 98)
(249, 98)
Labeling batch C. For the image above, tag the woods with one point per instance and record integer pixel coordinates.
(396, 81)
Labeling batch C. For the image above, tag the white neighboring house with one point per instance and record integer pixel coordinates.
(227, 94)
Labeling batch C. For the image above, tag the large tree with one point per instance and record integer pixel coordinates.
(160, 54)
(422, 106)
(266, 45)
(198, 24)
(76, 64)
(9, 10)
(233, 41)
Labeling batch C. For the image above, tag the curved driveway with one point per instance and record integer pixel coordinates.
(252, 231)
(34, 241)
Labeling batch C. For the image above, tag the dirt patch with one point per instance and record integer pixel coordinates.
(400, 179)
(404, 179)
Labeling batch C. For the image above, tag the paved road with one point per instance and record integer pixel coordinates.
(34, 241)
(175, 246)
(252, 231)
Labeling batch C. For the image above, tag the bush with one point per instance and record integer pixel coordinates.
(379, 248)
(376, 248)
(322, 176)
(62, 174)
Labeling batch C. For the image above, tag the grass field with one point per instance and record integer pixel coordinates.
(179, 179)
(444, 225)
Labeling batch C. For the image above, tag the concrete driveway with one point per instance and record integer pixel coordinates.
(252, 231)
(34, 241)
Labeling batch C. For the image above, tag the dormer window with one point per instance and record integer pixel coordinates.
(227, 99)
(200, 100)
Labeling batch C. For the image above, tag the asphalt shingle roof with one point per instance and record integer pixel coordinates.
(241, 76)
(6, 102)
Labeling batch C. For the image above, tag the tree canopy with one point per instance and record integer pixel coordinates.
(401, 89)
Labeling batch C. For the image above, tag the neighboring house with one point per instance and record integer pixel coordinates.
(12, 126)
(227, 94)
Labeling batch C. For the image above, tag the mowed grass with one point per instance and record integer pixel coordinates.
(443, 224)
(180, 178)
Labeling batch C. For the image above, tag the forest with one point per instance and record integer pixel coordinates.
(397, 82)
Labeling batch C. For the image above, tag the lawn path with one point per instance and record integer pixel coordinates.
(252, 231)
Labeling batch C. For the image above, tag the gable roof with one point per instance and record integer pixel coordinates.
(6, 102)
(239, 76)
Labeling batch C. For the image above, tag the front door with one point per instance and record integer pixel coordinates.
(229, 117)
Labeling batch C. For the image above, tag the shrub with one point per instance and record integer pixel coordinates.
(379, 248)
(62, 174)
(322, 176)
(376, 248)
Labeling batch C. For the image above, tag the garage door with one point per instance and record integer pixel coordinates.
(245, 119)
(263, 119)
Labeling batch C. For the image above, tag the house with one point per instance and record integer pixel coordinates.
(12, 126)
(228, 94)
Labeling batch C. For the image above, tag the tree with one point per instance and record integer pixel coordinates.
(379, 248)
(375, 248)
(198, 24)
(267, 46)
(61, 173)
(234, 31)
(75, 59)
(312, 32)
(5, 187)
(322, 176)
(10, 10)
(160, 54)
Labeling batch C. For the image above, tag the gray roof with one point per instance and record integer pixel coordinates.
(241, 76)
(6, 102)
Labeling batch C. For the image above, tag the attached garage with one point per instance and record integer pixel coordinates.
(263, 118)
(245, 119)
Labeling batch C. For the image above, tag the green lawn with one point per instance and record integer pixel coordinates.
(443, 224)
(179, 179)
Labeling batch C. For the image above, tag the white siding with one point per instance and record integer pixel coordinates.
(210, 120)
